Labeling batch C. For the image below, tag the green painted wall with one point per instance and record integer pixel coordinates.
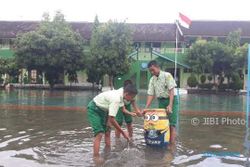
(134, 74)
(6, 53)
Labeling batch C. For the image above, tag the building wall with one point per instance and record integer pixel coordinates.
(139, 75)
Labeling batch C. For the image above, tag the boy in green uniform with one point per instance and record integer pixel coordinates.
(101, 113)
(162, 86)
(125, 113)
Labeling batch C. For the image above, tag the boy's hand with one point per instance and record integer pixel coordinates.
(139, 114)
(144, 111)
(133, 114)
(169, 109)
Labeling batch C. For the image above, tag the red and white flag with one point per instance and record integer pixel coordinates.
(184, 20)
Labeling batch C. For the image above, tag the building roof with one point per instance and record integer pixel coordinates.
(146, 32)
(9, 29)
(153, 32)
(141, 32)
(216, 28)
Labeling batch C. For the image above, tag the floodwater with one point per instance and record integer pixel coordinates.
(43, 128)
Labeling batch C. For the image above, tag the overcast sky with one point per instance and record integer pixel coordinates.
(133, 11)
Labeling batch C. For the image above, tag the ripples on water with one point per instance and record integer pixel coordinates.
(73, 147)
(64, 138)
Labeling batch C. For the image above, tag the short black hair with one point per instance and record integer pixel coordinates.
(153, 63)
(131, 89)
(127, 82)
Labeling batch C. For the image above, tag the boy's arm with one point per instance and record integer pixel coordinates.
(112, 120)
(137, 110)
(151, 93)
(171, 99)
(124, 110)
(113, 109)
(171, 85)
(149, 100)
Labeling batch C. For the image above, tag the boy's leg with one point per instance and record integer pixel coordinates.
(172, 117)
(98, 120)
(173, 121)
(119, 118)
(130, 129)
(172, 134)
(107, 139)
(117, 134)
(128, 119)
(97, 142)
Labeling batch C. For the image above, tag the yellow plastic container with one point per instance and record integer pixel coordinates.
(156, 126)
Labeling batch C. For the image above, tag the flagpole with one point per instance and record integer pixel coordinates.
(248, 88)
(176, 49)
(175, 73)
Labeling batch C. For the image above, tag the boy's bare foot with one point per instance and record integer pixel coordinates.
(98, 160)
(171, 147)
(107, 148)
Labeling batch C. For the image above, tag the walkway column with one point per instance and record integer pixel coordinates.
(138, 78)
(43, 78)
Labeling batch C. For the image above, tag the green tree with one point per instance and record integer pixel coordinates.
(236, 82)
(203, 79)
(222, 58)
(233, 39)
(199, 58)
(240, 57)
(3, 66)
(94, 71)
(211, 56)
(12, 70)
(53, 48)
(240, 61)
(9, 66)
(110, 45)
(192, 81)
(209, 78)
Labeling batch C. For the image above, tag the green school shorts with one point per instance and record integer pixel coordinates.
(97, 118)
(163, 103)
(122, 116)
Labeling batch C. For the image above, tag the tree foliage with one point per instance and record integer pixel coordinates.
(53, 48)
(110, 44)
(218, 58)
(199, 58)
(233, 39)
(192, 81)
(9, 66)
(94, 71)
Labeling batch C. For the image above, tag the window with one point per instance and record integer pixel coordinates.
(157, 46)
(5, 43)
(147, 46)
(137, 45)
(33, 76)
(187, 70)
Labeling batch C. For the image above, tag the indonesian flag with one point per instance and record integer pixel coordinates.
(184, 21)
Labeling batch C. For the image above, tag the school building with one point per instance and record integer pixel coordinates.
(151, 42)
